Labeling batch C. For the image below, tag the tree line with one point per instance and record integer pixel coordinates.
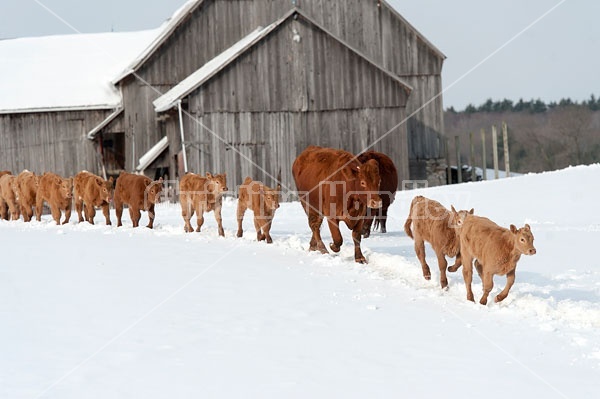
(531, 106)
(541, 136)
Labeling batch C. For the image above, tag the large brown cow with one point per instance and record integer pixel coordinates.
(496, 250)
(440, 227)
(332, 184)
(140, 193)
(92, 191)
(58, 193)
(26, 191)
(9, 205)
(263, 201)
(387, 190)
(202, 194)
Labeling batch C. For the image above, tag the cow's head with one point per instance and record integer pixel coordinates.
(523, 239)
(369, 179)
(457, 218)
(271, 197)
(65, 187)
(106, 188)
(216, 184)
(154, 191)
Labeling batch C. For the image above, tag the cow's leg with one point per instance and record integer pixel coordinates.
(151, 216)
(258, 224)
(334, 228)
(241, 210)
(118, 212)
(356, 237)
(26, 212)
(3, 209)
(135, 215)
(488, 284)
(457, 264)
(106, 212)
(468, 276)
(55, 213)
(39, 206)
(219, 220)
(510, 280)
(90, 213)
(68, 213)
(266, 228)
(79, 209)
(186, 212)
(199, 219)
(420, 251)
(316, 243)
(368, 222)
(383, 219)
(442, 264)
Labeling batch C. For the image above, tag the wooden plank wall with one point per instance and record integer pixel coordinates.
(49, 141)
(217, 24)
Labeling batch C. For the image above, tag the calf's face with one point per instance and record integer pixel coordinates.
(270, 197)
(216, 184)
(457, 218)
(66, 188)
(523, 239)
(154, 191)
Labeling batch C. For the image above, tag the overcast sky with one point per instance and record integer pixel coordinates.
(556, 57)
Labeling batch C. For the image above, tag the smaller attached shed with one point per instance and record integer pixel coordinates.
(251, 110)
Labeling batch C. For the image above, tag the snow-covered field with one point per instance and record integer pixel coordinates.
(105, 312)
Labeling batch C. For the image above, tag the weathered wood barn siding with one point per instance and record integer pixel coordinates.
(326, 94)
(49, 141)
(371, 27)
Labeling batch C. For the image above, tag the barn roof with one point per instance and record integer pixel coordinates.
(66, 72)
(188, 8)
(170, 99)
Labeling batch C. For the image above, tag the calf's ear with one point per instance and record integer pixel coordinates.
(453, 210)
(527, 227)
(208, 175)
(472, 211)
(111, 180)
(513, 229)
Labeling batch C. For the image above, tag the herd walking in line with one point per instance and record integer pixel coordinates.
(332, 184)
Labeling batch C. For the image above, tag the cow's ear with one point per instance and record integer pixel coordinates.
(111, 180)
(160, 180)
(513, 229)
(527, 227)
(453, 210)
(472, 211)
(351, 172)
(208, 175)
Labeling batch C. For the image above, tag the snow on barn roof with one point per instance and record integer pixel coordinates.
(66, 71)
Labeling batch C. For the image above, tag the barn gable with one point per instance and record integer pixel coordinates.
(280, 89)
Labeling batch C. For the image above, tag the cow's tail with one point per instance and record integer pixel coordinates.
(409, 220)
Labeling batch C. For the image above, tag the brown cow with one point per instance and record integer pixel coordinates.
(93, 191)
(202, 194)
(26, 191)
(8, 198)
(263, 201)
(140, 193)
(332, 184)
(58, 193)
(495, 249)
(440, 227)
(387, 190)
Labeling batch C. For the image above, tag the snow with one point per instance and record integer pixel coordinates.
(66, 71)
(170, 98)
(99, 311)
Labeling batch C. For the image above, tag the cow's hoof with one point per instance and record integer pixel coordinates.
(453, 268)
(470, 298)
(498, 298)
(240, 233)
(335, 248)
(361, 261)
(483, 301)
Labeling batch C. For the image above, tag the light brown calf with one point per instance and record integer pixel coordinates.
(263, 201)
(58, 193)
(92, 191)
(26, 191)
(9, 205)
(440, 227)
(202, 194)
(140, 193)
(4, 215)
(496, 250)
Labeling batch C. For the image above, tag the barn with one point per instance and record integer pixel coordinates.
(242, 86)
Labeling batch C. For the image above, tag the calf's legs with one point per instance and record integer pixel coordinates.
(420, 251)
